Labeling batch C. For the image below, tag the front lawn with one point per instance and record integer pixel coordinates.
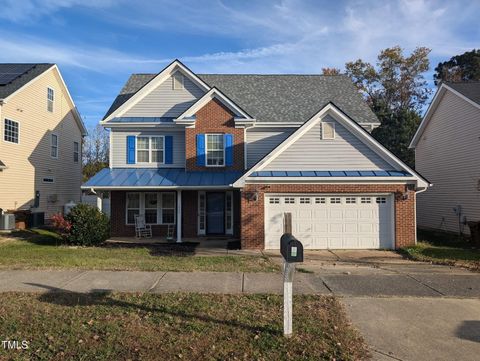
(42, 249)
(442, 248)
(64, 326)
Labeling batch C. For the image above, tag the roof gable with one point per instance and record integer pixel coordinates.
(134, 91)
(332, 110)
(468, 91)
(345, 152)
(213, 93)
(29, 72)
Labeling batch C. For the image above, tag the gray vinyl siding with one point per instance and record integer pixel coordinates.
(345, 152)
(448, 156)
(118, 143)
(166, 102)
(261, 141)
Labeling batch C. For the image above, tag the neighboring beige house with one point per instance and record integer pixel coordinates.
(447, 153)
(41, 139)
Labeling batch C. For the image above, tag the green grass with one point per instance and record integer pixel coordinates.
(443, 248)
(68, 326)
(43, 249)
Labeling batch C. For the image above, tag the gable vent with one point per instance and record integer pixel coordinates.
(328, 130)
(178, 81)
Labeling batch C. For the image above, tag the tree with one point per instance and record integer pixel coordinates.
(396, 90)
(462, 67)
(398, 81)
(396, 131)
(330, 71)
(95, 152)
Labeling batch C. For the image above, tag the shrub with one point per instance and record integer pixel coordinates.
(89, 226)
(61, 224)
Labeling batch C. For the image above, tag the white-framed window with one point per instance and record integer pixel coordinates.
(304, 200)
(54, 145)
(157, 207)
(365, 200)
(328, 130)
(214, 150)
(274, 200)
(151, 149)
(350, 200)
(50, 99)
(381, 200)
(335, 200)
(289, 200)
(151, 208)
(133, 207)
(168, 208)
(76, 151)
(320, 200)
(48, 180)
(178, 80)
(11, 131)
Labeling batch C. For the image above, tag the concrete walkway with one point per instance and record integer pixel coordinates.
(344, 280)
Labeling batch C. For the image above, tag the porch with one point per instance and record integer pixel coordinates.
(210, 217)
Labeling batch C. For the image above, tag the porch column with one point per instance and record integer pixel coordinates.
(179, 216)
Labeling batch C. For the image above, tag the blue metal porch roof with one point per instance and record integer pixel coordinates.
(163, 177)
(341, 173)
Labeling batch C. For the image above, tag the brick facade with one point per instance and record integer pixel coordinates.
(214, 117)
(252, 212)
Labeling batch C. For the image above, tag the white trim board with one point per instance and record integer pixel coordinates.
(352, 126)
(433, 107)
(163, 75)
(214, 93)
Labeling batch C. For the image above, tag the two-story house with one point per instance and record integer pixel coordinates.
(230, 154)
(41, 140)
(447, 149)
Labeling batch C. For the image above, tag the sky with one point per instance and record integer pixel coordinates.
(97, 44)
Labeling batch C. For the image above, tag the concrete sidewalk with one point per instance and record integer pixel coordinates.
(341, 281)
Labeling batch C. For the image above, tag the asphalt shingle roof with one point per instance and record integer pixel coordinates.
(17, 83)
(275, 98)
(469, 89)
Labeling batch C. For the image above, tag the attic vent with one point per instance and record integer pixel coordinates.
(328, 130)
(177, 81)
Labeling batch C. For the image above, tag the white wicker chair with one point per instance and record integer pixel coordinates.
(141, 228)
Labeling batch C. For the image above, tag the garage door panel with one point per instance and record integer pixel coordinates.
(350, 222)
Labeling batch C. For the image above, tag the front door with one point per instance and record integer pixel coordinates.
(215, 213)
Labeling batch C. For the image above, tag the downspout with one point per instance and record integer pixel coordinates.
(245, 165)
(415, 209)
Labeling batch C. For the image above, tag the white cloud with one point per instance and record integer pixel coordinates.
(32, 10)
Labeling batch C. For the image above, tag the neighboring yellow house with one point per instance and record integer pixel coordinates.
(41, 140)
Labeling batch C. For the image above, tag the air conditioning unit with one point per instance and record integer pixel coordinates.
(7, 221)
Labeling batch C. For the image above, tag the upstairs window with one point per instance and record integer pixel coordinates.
(215, 151)
(177, 81)
(11, 131)
(76, 151)
(328, 130)
(50, 99)
(150, 149)
(54, 146)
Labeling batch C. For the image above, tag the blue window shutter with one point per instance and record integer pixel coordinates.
(168, 149)
(130, 149)
(201, 150)
(228, 143)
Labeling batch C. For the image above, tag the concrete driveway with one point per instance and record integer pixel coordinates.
(405, 310)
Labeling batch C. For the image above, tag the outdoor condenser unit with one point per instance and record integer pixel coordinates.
(7, 221)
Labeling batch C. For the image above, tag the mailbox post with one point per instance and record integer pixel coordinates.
(292, 252)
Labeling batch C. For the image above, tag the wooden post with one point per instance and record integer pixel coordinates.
(287, 223)
(288, 270)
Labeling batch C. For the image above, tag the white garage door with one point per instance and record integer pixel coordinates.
(336, 221)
